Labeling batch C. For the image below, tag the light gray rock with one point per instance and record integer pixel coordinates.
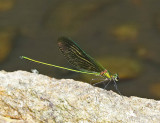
(32, 97)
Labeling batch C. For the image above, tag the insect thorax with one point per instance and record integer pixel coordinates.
(106, 74)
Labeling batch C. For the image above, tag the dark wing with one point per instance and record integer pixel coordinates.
(77, 57)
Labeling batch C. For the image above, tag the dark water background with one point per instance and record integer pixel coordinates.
(124, 36)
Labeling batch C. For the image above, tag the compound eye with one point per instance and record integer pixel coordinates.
(117, 78)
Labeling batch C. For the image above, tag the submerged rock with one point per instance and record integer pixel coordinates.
(6, 4)
(7, 36)
(155, 89)
(126, 32)
(71, 16)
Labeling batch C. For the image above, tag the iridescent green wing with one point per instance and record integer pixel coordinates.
(77, 57)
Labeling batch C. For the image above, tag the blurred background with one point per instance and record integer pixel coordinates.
(122, 35)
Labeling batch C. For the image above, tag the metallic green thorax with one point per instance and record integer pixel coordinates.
(79, 59)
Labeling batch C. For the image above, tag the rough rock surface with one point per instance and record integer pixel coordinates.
(31, 97)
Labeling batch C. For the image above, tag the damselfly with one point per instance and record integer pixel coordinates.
(80, 60)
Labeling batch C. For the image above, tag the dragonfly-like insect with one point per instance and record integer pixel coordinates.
(80, 60)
